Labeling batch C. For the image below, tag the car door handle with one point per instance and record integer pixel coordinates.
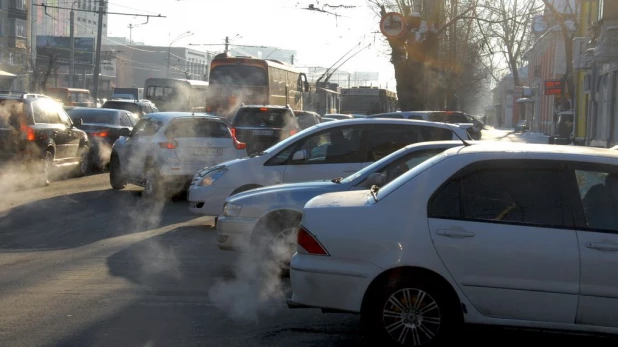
(600, 246)
(457, 234)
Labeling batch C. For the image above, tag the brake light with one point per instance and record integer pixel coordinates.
(239, 145)
(233, 131)
(169, 144)
(293, 131)
(309, 243)
(103, 133)
(30, 133)
(263, 109)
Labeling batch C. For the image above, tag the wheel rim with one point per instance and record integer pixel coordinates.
(411, 317)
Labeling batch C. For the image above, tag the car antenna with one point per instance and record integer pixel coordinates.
(456, 134)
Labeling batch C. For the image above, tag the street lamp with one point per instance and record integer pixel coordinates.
(169, 48)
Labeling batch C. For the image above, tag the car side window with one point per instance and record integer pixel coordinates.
(386, 139)
(124, 120)
(145, 127)
(64, 117)
(399, 167)
(332, 146)
(598, 191)
(527, 196)
(39, 113)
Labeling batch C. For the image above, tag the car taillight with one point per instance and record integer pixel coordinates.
(293, 131)
(169, 144)
(309, 243)
(239, 145)
(30, 133)
(233, 131)
(102, 133)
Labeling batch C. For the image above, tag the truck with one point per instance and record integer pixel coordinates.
(128, 93)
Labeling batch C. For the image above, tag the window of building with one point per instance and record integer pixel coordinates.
(20, 28)
(20, 4)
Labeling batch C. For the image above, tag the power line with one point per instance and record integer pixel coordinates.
(45, 6)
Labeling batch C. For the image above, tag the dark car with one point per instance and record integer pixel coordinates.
(38, 136)
(103, 127)
(455, 117)
(263, 126)
(139, 107)
(307, 119)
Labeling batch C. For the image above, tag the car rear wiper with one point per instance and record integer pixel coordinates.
(337, 180)
(374, 192)
(256, 154)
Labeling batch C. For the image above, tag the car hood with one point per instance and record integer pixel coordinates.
(354, 198)
(290, 188)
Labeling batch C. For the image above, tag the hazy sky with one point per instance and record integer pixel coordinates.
(320, 39)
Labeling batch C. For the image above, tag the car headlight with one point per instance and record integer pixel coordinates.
(212, 176)
(231, 210)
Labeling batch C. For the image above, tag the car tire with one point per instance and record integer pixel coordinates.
(411, 312)
(153, 184)
(84, 162)
(116, 179)
(47, 169)
(275, 240)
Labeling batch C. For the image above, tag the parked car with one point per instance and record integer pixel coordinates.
(262, 126)
(307, 119)
(323, 151)
(326, 119)
(103, 127)
(507, 234)
(164, 151)
(139, 107)
(474, 126)
(338, 116)
(38, 135)
(270, 216)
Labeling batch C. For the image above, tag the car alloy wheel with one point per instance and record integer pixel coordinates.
(411, 317)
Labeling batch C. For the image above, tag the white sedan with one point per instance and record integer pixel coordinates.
(509, 234)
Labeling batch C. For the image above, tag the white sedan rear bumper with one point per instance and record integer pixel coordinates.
(330, 283)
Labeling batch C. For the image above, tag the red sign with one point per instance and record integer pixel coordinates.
(392, 25)
(553, 87)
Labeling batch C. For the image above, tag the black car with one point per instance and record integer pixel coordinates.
(307, 119)
(263, 126)
(38, 136)
(139, 107)
(103, 127)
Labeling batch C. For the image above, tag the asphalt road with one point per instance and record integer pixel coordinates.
(83, 265)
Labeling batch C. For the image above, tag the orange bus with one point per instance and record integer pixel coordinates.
(251, 81)
(71, 96)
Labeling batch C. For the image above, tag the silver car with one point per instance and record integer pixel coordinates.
(164, 151)
(273, 213)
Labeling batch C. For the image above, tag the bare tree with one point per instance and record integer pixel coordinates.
(416, 57)
(505, 26)
(567, 23)
(41, 70)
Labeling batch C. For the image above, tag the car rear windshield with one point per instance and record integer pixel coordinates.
(264, 117)
(95, 117)
(197, 127)
(122, 106)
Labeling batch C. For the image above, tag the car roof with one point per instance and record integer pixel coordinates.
(353, 121)
(97, 109)
(169, 116)
(266, 106)
(512, 150)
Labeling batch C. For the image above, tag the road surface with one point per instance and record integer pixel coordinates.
(84, 265)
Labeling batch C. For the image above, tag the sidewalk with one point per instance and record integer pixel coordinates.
(508, 134)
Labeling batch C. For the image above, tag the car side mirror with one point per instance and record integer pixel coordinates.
(375, 179)
(78, 122)
(299, 155)
(124, 132)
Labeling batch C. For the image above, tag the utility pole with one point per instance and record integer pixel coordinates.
(292, 59)
(227, 44)
(97, 62)
(72, 49)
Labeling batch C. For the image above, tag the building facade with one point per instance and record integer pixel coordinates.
(14, 32)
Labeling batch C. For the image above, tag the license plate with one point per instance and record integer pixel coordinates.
(216, 152)
(262, 132)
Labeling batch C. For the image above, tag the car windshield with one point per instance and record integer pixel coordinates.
(128, 106)
(263, 117)
(95, 116)
(197, 127)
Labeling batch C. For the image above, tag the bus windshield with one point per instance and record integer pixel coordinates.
(238, 75)
(362, 104)
(159, 93)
